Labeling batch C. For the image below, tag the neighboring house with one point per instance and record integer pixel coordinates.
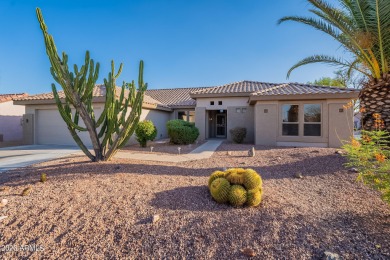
(357, 121)
(48, 127)
(10, 118)
(289, 114)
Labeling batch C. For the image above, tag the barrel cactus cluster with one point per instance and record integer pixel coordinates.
(236, 186)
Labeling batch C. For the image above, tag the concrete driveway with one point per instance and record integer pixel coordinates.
(22, 156)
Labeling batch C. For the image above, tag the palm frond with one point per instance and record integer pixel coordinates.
(328, 60)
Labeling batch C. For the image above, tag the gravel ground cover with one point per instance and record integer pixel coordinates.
(104, 210)
(162, 147)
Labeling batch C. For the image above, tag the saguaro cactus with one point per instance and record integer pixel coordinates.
(115, 125)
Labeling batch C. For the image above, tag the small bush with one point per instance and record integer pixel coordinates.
(43, 177)
(182, 132)
(145, 131)
(238, 134)
(371, 157)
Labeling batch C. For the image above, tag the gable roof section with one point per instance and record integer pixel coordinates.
(300, 89)
(241, 87)
(266, 91)
(176, 97)
(9, 97)
(98, 92)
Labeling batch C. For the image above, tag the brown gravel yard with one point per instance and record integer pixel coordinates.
(162, 147)
(103, 210)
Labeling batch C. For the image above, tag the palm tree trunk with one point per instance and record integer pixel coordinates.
(375, 98)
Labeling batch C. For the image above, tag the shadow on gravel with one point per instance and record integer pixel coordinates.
(307, 166)
(74, 171)
(193, 198)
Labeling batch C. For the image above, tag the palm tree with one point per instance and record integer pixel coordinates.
(362, 27)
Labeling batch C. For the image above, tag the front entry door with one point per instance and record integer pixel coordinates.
(221, 126)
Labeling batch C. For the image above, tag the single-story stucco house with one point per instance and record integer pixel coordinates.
(289, 114)
(11, 118)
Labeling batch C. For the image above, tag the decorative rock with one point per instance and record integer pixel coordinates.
(3, 217)
(155, 218)
(298, 175)
(3, 202)
(26, 191)
(331, 256)
(354, 170)
(252, 152)
(229, 153)
(339, 152)
(248, 252)
(4, 188)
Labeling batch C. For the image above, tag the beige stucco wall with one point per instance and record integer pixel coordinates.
(10, 121)
(235, 119)
(340, 123)
(266, 128)
(158, 117)
(226, 102)
(200, 122)
(335, 125)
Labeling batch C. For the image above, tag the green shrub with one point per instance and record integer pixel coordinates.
(145, 131)
(238, 134)
(182, 132)
(371, 157)
(225, 187)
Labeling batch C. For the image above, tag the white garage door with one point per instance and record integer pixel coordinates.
(51, 129)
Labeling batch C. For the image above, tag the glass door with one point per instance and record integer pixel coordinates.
(221, 126)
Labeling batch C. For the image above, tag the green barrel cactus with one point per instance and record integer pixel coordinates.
(237, 195)
(252, 179)
(254, 197)
(235, 175)
(236, 186)
(220, 189)
(215, 175)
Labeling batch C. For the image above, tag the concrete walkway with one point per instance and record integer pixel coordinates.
(204, 151)
(22, 156)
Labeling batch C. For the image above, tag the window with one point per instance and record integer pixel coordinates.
(243, 110)
(211, 103)
(182, 115)
(301, 120)
(191, 116)
(238, 110)
(220, 103)
(290, 125)
(312, 120)
(186, 115)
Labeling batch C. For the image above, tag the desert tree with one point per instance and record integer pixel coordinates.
(110, 130)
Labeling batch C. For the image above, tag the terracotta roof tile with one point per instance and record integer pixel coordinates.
(255, 88)
(302, 89)
(98, 91)
(236, 87)
(9, 97)
(176, 97)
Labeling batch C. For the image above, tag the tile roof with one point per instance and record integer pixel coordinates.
(176, 97)
(255, 88)
(301, 89)
(98, 91)
(9, 97)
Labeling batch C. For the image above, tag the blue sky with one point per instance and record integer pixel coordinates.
(187, 43)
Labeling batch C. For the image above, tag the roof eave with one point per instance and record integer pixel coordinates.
(352, 95)
(206, 95)
(94, 100)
